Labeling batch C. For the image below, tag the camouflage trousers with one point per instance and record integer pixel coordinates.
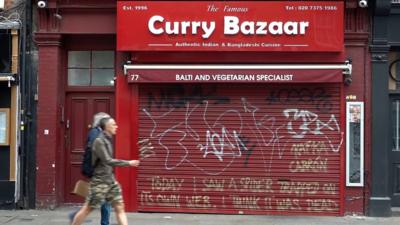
(100, 192)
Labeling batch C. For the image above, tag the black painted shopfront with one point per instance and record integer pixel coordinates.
(385, 46)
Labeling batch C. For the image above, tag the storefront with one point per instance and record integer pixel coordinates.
(17, 107)
(247, 104)
(9, 114)
(241, 148)
(385, 58)
(243, 102)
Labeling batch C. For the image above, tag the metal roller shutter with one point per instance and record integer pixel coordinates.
(239, 148)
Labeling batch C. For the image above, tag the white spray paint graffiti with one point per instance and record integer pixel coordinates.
(223, 146)
(222, 139)
(217, 142)
(311, 124)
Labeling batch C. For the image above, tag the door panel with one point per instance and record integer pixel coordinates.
(101, 105)
(395, 175)
(80, 108)
(394, 169)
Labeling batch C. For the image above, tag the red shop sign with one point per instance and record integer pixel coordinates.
(233, 76)
(313, 26)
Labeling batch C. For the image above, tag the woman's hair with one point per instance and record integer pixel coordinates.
(97, 117)
(103, 122)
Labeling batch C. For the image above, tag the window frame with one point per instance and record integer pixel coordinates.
(91, 68)
(6, 55)
(394, 98)
(348, 147)
(5, 126)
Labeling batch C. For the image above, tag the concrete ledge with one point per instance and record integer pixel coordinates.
(380, 207)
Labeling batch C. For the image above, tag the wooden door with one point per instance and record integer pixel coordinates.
(80, 108)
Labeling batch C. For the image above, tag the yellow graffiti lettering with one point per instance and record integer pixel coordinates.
(288, 204)
(268, 203)
(268, 185)
(146, 198)
(166, 184)
(232, 184)
(249, 184)
(168, 200)
(198, 201)
(330, 188)
(321, 205)
(245, 202)
(316, 165)
(213, 184)
(298, 188)
(309, 148)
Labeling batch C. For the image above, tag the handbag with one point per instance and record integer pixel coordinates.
(81, 188)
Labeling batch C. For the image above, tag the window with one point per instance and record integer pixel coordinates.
(90, 68)
(396, 124)
(355, 144)
(5, 52)
(4, 126)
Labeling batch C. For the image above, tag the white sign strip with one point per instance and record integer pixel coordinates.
(347, 67)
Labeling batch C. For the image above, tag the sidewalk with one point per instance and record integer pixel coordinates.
(59, 216)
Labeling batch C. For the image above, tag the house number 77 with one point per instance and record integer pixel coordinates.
(134, 77)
